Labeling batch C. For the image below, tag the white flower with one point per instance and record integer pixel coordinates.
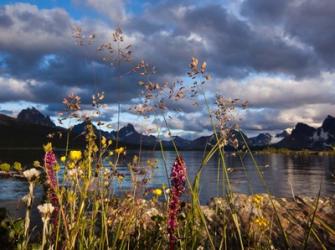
(31, 174)
(46, 209)
(74, 172)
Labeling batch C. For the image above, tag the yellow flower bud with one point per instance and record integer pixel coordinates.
(47, 147)
(75, 155)
(120, 150)
(157, 192)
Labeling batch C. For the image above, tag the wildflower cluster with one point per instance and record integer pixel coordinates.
(49, 163)
(261, 222)
(178, 180)
(257, 200)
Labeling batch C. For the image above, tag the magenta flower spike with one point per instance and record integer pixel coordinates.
(178, 180)
(49, 163)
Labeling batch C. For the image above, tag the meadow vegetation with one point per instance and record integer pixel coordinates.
(81, 209)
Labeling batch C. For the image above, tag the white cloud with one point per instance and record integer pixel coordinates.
(114, 9)
(278, 91)
(12, 88)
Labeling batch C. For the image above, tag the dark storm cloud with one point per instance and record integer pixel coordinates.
(230, 46)
(5, 20)
(39, 46)
(313, 23)
(40, 58)
(265, 10)
(309, 21)
(45, 51)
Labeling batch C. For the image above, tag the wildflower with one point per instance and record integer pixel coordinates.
(120, 150)
(56, 167)
(71, 165)
(75, 155)
(103, 142)
(178, 180)
(111, 153)
(4, 167)
(63, 158)
(17, 166)
(31, 174)
(74, 172)
(51, 165)
(47, 147)
(46, 210)
(157, 192)
(261, 222)
(257, 199)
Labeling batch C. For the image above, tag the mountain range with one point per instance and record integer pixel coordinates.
(32, 129)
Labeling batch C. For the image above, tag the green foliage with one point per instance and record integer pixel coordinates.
(11, 231)
(5, 167)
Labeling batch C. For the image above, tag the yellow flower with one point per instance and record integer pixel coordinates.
(5, 167)
(261, 222)
(111, 153)
(47, 147)
(17, 166)
(75, 155)
(71, 165)
(157, 192)
(120, 150)
(257, 199)
(103, 141)
(56, 167)
(63, 158)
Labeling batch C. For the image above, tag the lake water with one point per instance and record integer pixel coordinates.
(284, 175)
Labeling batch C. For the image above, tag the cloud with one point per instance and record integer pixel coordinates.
(114, 9)
(12, 89)
(271, 55)
(307, 21)
(264, 11)
(278, 91)
(271, 119)
(229, 44)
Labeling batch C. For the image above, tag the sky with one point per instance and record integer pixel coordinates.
(277, 55)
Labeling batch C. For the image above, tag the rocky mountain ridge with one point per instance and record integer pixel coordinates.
(32, 126)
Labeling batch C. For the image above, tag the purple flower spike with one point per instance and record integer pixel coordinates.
(178, 180)
(49, 164)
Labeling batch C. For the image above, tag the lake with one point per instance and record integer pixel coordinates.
(284, 174)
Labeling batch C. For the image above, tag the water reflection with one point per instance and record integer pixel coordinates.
(284, 174)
